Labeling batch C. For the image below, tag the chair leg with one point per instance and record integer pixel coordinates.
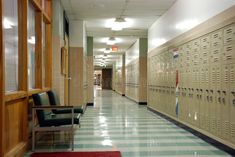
(33, 141)
(72, 134)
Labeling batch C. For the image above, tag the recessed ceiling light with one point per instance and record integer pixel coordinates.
(111, 41)
(107, 50)
(118, 24)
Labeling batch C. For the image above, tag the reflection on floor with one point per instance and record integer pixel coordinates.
(117, 123)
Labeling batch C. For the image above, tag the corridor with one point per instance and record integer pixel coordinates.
(117, 123)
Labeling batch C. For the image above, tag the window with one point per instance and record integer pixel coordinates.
(44, 55)
(31, 47)
(10, 25)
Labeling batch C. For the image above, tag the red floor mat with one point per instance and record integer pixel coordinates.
(79, 154)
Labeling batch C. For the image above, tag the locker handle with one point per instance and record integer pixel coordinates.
(218, 91)
(201, 90)
(207, 90)
(211, 91)
(211, 98)
(224, 92)
(219, 99)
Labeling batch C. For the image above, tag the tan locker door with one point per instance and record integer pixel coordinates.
(214, 112)
(232, 102)
(225, 109)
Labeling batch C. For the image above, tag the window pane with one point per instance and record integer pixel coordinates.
(31, 47)
(10, 24)
(44, 59)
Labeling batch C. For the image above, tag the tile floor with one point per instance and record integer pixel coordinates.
(117, 123)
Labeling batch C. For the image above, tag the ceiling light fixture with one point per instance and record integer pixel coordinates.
(107, 50)
(111, 41)
(118, 24)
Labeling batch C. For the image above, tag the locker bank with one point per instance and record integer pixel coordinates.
(117, 78)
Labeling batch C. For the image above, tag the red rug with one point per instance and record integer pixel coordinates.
(79, 154)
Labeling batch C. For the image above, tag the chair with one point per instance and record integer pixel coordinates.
(54, 100)
(49, 121)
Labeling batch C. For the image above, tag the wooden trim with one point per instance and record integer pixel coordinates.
(49, 61)
(46, 18)
(15, 95)
(23, 45)
(34, 91)
(38, 51)
(36, 5)
(2, 86)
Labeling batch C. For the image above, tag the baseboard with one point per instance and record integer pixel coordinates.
(206, 138)
(142, 103)
(90, 104)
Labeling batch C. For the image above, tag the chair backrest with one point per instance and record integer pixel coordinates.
(41, 99)
(54, 99)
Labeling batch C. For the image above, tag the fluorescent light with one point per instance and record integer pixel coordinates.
(107, 50)
(111, 41)
(117, 24)
(187, 24)
(7, 24)
(31, 40)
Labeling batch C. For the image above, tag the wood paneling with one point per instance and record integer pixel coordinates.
(2, 88)
(14, 106)
(76, 74)
(14, 113)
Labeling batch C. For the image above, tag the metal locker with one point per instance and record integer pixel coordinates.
(184, 104)
(225, 110)
(195, 50)
(205, 43)
(215, 77)
(217, 39)
(180, 101)
(204, 77)
(225, 77)
(229, 34)
(232, 116)
(211, 114)
(196, 108)
(228, 54)
(204, 109)
(232, 76)
(190, 105)
(215, 56)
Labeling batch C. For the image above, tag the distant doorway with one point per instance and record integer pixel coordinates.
(107, 79)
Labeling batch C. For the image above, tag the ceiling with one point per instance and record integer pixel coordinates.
(97, 13)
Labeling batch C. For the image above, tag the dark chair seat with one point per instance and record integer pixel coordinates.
(54, 100)
(49, 121)
(60, 119)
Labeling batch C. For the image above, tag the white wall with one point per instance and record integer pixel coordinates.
(77, 33)
(132, 53)
(164, 29)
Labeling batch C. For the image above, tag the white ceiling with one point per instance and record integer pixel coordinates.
(96, 13)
